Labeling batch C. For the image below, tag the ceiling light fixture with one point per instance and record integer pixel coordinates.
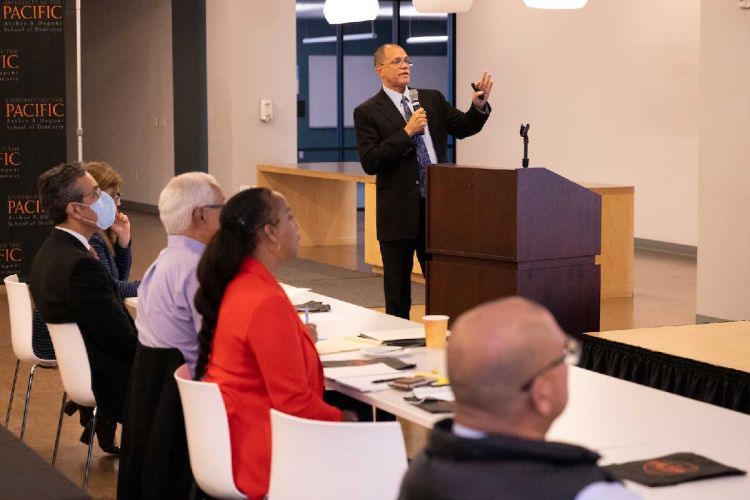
(350, 11)
(347, 38)
(415, 40)
(308, 7)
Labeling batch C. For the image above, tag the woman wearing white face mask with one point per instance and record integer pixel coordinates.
(113, 245)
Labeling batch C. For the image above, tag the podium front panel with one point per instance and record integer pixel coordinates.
(513, 215)
(570, 292)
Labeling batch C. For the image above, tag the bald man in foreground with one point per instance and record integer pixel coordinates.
(506, 363)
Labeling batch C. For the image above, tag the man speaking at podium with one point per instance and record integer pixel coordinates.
(399, 132)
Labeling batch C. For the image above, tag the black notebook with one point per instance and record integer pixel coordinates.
(672, 469)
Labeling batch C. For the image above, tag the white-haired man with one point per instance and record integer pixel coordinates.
(189, 208)
(154, 461)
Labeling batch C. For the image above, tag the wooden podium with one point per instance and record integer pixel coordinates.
(492, 233)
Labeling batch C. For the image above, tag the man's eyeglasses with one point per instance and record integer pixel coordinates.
(571, 355)
(396, 63)
(96, 193)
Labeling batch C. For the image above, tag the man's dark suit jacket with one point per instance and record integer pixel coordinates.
(387, 151)
(70, 286)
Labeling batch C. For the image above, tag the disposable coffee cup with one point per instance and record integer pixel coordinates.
(435, 330)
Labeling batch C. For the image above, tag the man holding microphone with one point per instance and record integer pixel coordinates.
(399, 132)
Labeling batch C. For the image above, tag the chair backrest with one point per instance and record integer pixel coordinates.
(335, 460)
(20, 312)
(73, 362)
(207, 431)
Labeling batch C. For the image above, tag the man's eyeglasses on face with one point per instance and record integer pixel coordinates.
(95, 193)
(396, 63)
(571, 355)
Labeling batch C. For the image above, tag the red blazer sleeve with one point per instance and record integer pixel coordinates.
(280, 350)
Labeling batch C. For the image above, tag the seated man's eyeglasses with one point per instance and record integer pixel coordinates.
(571, 355)
(95, 194)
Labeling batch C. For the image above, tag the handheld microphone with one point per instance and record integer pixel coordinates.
(414, 96)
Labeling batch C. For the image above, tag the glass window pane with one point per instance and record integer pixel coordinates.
(360, 80)
(425, 38)
(316, 77)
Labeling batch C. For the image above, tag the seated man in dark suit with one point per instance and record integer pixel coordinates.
(69, 285)
(506, 363)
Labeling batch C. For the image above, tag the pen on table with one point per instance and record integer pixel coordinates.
(380, 381)
(307, 314)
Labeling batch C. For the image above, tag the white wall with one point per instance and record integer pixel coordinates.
(611, 92)
(127, 84)
(724, 164)
(251, 55)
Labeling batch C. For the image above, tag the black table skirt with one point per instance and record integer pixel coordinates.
(717, 385)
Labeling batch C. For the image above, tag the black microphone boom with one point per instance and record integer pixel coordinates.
(525, 135)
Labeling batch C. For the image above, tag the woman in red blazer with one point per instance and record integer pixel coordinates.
(252, 342)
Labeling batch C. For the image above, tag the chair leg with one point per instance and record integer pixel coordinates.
(91, 447)
(374, 414)
(12, 392)
(26, 405)
(59, 428)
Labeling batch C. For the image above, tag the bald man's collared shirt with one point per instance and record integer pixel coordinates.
(467, 432)
(396, 98)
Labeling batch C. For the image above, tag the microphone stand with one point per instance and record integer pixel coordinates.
(525, 135)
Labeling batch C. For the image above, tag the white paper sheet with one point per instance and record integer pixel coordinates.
(401, 334)
(444, 393)
(339, 372)
(331, 346)
(365, 384)
(293, 291)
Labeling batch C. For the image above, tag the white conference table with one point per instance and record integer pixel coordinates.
(620, 420)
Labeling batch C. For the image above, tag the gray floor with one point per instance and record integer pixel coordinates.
(664, 295)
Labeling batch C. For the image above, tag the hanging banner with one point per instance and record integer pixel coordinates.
(32, 122)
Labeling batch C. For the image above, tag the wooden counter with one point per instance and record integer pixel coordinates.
(323, 197)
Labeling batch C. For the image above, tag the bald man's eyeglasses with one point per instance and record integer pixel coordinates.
(571, 355)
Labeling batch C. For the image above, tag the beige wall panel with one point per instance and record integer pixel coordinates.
(611, 92)
(724, 168)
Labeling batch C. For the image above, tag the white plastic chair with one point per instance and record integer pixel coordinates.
(207, 431)
(335, 460)
(75, 371)
(21, 320)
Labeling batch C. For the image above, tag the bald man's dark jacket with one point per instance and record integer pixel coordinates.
(387, 151)
(69, 285)
(498, 466)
